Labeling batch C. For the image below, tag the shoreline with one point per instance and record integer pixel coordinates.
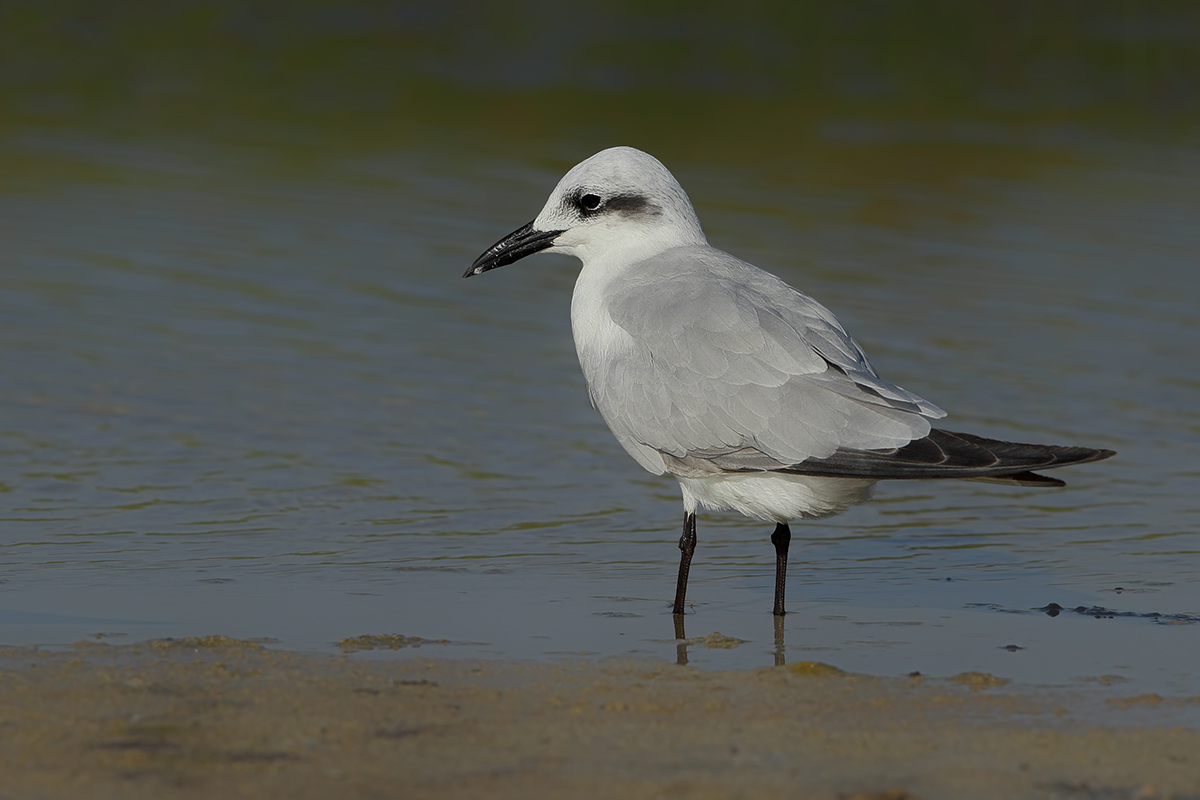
(200, 717)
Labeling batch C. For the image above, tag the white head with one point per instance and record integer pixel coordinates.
(619, 201)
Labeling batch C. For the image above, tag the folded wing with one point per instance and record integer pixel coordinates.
(728, 365)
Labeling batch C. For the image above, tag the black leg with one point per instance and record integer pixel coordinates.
(781, 538)
(687, 546)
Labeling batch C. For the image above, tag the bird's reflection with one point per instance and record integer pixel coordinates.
(682, 643)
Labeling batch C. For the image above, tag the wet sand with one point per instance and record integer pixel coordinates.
(217, 717)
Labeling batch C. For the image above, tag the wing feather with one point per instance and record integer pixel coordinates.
(726, 361)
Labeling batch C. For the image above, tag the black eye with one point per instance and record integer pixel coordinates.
(590, 202)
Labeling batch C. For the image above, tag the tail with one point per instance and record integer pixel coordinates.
(943, 454)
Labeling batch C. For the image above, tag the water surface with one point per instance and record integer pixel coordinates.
(247, 396)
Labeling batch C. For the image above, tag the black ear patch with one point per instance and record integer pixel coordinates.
(632, 205)
(590, 204)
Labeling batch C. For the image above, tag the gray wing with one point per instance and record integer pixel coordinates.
(727, 367)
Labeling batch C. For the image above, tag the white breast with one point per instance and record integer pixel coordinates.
(596, 335)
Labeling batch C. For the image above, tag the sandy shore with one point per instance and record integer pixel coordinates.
(215, 717)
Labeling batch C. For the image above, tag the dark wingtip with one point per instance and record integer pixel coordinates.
(946, 454)
(1026, 478)
(1081, 455)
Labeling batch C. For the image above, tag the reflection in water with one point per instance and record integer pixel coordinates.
(682, 642)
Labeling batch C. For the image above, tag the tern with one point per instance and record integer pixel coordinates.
(747, 391)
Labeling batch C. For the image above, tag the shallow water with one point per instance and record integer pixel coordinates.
(250, 397)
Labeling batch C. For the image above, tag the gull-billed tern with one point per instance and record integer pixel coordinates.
(749, 392)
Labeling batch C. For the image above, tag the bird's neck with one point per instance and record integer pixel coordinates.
(629, 245)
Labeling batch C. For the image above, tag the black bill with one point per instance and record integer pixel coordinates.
(524, 241)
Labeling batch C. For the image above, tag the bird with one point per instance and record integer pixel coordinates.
(747, 391)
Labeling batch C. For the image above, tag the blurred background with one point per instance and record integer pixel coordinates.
(243, 389)
(704, 81)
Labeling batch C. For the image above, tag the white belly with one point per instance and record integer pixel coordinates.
(774, 496)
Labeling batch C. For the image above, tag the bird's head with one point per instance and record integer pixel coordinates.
(620, 203)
